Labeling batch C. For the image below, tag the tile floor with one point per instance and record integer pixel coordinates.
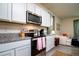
(67, 49)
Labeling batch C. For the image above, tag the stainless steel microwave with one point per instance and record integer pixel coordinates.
(33, 18)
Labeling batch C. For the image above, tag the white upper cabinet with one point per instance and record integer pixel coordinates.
(45, 18)
(9, 11)
(5, 11)
(31, 7)
(19, 12)
(34, 8)
(16, 12)
(38, 10)
(44, 22)
(48, 19)
(45, 15)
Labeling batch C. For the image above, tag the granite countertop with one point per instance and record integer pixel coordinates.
(10, 37)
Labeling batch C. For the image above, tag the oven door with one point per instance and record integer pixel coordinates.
(34, 50)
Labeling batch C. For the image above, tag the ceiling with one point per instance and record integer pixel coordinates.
(63, 10)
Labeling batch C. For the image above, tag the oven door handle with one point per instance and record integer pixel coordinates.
(34, 39)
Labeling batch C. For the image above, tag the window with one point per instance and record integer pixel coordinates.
(76, 27)
(53, 22)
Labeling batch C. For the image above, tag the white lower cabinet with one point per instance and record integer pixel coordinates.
(7, 53)
(49, 43)
(19, 12)
(20, 48)
(23, 51)
(68, 42)
(65, 41)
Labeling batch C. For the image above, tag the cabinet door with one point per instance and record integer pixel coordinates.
(48, 47)
(19, 12)
(45, 18)
(9, 11)
(7, 53)
(23, 51)
(4, 14)
(68, 43)
(50, 43)
(63, 41)
(31, 7)
(48, 19)
(53, 41)
(38, 10)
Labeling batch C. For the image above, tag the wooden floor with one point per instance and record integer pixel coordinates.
(71, 50)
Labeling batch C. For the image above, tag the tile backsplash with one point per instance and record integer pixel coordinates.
(13, 27)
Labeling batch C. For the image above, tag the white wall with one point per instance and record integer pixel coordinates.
(67, 25)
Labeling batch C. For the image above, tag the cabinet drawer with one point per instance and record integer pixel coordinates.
(7, 53)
